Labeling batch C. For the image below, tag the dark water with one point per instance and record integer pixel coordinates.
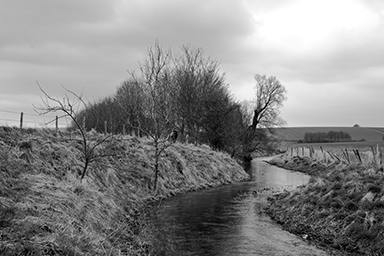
(229, 220)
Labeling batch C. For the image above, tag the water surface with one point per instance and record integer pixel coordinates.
(229, 220)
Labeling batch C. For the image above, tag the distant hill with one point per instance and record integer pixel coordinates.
(357, 133)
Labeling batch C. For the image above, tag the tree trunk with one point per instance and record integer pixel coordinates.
(156, 173)
(157, 156)
(255, 120)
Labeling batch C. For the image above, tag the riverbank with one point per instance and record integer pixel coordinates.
(45, 209)
(342, 207)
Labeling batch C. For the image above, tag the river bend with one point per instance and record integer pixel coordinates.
(229, 220)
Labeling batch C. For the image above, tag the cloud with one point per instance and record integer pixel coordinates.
(323, 41)
(310, 46)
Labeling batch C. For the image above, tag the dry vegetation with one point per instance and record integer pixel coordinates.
(45, 209)
(342, 206)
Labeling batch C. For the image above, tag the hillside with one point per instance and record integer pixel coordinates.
(45, 209)
(357, 133)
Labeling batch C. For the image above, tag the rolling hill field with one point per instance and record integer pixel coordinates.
(294, 134)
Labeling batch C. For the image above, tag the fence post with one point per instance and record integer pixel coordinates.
(21, 120)
(57, 124)
(105, 126)
(347, 155)
(124, 129)
(358, 156)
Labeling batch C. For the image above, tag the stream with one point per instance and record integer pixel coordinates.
(229, 220)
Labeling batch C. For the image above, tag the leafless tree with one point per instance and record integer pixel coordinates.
(270, 95)
(263, 114)
(158, 108)
(69, 106)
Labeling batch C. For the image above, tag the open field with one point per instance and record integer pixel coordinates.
(294, 134)
(335, 147)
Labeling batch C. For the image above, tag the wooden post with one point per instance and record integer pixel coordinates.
(105, 126)
(124, 129)
(334, 157)
(57, 124)
(357, 154)
(347, 155)
(21, 120)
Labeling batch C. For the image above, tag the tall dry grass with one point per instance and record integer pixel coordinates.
(342, 206)
(46, 210)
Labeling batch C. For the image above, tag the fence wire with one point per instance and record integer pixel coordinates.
(31, 120)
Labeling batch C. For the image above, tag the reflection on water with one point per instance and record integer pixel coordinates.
(217, 222)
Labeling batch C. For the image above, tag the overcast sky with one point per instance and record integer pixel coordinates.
(329, 54)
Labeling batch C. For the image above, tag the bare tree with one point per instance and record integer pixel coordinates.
(70, 105)
(263, 114)
(158, 108)
(270, 95)
(130, 98)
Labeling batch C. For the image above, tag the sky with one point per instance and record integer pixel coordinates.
(329, 54)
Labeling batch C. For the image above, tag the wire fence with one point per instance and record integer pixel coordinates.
(32, 120)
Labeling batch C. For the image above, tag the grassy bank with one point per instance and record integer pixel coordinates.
(46, 210)
(342, 207)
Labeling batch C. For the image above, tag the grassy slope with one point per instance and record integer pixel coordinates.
(46, 210)
(342, 206)
(357, 133)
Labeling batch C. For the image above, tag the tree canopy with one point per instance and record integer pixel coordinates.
(185, 91)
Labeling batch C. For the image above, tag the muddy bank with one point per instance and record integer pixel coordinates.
(46, 210)
(342, 207)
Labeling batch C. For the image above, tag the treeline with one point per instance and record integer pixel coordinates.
(331, 136)
(187, 93)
